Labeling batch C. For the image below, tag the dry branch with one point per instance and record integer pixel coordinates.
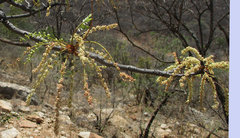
(97, 57)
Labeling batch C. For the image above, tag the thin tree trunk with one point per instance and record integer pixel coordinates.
(146, 133)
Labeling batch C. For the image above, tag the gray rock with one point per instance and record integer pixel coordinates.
(65, 119)
(81, 121)
(10, 133)
(119, 122)
(84, 134)
(8, 90)
(24, 109)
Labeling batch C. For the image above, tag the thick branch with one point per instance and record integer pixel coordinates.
(19, 31)
(97, 58)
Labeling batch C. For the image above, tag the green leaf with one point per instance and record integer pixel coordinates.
(84, 23)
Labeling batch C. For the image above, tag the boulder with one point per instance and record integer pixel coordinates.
(8, 90)
(9, 133)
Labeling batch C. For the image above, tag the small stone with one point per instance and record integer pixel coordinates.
(65, 109)
(44, 110)
(63, 133)
(146, 114)
(164, 126)
(168, 130)
(15, 113)
(134, 118)
(84, 134)
(88, 135)
(39, 128)
(36, 131)
(5, 106)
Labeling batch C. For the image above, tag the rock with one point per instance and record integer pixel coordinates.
(35, 118)
(65, 109)
(84, 134)
(27, 124)
(24, 109)
(164, 126)
(92, 117)
(84, 110)
(40, 114)
(8, 90)
(120, 122)
(15, 113)
(63, 133)
(65, 119)
(146, 114)
(9, 133)
(125, 135)
(161, 133)
(200, 116)
(5, 106)
(168, 130)
(88, 135)
(81, 121)
(193, 129)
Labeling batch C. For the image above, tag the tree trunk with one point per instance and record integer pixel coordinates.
(146, 133)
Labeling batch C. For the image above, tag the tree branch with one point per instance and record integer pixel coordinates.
(14, 43)
(97, 57)
(32, 11)
(19, 5)
(120, 30)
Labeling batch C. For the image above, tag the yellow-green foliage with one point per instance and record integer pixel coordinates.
(51, 58)
(188, 66)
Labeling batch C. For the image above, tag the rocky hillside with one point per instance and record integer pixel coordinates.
(125, 120)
